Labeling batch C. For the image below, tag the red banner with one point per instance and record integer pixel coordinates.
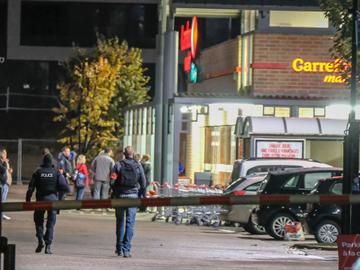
(349, 251)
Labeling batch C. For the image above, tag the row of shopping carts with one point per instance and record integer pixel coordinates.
(200, 215)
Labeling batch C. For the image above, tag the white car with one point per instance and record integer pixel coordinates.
(244, 167)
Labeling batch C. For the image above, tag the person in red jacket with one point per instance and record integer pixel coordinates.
(81, 177)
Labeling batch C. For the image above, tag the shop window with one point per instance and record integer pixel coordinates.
(280, 111)
(303, 19)
(319, 112)
(269, 111)
(219, 145)
(310, 112)
(306, 112)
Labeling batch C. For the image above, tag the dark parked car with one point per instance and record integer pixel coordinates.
(324, 221)
(295, 181)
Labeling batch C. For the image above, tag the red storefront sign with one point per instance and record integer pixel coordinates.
(279, 149)
(349, 251)
(185, 37)
(189, 39)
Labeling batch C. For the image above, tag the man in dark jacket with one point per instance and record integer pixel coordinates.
(48, 182)
(65, 162)
(130, 179)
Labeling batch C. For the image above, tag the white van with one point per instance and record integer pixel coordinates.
(244, 167)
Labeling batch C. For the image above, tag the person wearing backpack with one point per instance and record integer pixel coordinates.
(128, 179)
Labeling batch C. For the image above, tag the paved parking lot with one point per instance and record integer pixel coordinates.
(85, 240)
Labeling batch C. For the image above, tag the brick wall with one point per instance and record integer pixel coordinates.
(283, 80)
(217, 65)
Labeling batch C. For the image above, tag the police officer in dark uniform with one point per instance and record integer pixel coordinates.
(48, 182)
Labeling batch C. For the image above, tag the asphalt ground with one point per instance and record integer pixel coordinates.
(86, 240)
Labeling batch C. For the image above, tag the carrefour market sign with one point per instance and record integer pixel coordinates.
(333, 69)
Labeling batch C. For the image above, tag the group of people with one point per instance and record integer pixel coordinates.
(126, 178)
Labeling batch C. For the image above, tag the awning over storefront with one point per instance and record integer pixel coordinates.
(249, 126)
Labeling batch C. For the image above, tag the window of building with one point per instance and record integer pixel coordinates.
(212, 31)
(303, 19)
(65, 24)
(277, 111)
(319, 112)
(310, 112)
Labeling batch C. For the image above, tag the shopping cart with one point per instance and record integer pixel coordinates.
(201, 215)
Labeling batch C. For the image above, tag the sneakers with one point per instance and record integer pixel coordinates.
(123, 254)
(48, 249)
(6, 217)
(119, 252)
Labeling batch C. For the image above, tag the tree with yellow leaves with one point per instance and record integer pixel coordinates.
(100, 83)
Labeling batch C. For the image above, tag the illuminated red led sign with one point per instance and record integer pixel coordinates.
(189, 40)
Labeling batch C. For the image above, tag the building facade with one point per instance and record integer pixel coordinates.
(278, 66)
(251, 59)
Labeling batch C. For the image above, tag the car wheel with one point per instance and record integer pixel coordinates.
(276, 225)
(327, 231)
(254, 228)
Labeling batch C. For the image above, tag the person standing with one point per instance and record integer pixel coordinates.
(130, 179)
(102, 167)
(46, 151)
(65, 162)
(6, 179)
(48, 183)
(83, 175)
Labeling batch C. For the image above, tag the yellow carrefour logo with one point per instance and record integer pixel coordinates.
(337, 66)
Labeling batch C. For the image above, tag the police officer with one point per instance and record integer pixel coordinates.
(48, 182)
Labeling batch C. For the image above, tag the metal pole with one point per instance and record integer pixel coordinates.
(159, 102)
(351, 149)
(19, 163)
(9, 257)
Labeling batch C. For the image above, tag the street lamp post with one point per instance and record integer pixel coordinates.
(351, 147)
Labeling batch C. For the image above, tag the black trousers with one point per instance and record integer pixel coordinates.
(50, 225)
(39, 218)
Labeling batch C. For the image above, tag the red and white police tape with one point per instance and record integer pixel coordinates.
(183, 201)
